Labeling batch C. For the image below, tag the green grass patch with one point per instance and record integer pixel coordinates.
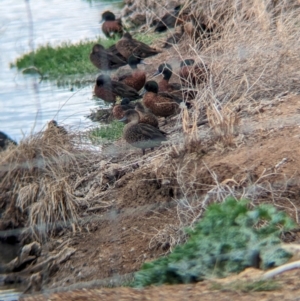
(229, 238)
(66, 59)
(63, 60)
(104, 133)
(148, 38)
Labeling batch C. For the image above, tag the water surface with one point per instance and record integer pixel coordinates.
(26, 105)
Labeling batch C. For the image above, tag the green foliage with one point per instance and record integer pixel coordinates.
(228, 239)
(63, 60)
(110, 132)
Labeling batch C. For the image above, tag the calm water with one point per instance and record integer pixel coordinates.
(25, 104)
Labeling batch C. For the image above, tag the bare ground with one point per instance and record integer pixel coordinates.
(137, 224)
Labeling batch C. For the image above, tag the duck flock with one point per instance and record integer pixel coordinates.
(160, 99)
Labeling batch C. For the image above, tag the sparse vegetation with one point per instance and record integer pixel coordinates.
(247, 286)
(230, 237)
(110, 132)
(38, 176)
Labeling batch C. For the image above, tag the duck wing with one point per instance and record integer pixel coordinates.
(148, 132)
(171, 96)
(113, 50)
(113, 59)
(124, 91)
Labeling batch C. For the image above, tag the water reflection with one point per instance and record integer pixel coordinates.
(25, 103)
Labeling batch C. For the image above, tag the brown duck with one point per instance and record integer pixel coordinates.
(168, 20)
(141, 135)
(164, 85)
(111, 25)
(161, 104)
(5, 141)
(120, 109)
(135, 79)
(191, 73)
(145, 115)
(128, 46)
(106, 59)
(55, 128)
(108, 89)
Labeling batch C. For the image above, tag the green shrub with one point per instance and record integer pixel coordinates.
(228, 239)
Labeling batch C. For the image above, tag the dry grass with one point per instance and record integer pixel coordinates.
(37, 183)
(253, 57)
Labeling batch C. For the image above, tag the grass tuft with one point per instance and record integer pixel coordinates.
(110, 132)
(247, 287)
(67, 59)
(63, 60)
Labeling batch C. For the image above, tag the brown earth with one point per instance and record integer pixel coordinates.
(141, 217)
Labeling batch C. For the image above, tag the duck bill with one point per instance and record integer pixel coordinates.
(124, 119)
(155, 74)
(143, 92)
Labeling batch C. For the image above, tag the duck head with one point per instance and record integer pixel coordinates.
(97, 48)
(133, 61)
(108, 16)
(164, 69)
(187, 62)
(125, 101)
(102, 80)
(131, 116)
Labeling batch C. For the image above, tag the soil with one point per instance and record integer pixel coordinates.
(142, 216)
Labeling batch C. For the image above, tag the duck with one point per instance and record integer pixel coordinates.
(164, 85)
(5, 141)
(168, 20)
(111, 25)
(120, 109)
(57, 129)
(108, 89)
(160, 103)
(141, 135)
(146, 116)
(106, 59)
(128, 46)
(135, 79)
(191, 73)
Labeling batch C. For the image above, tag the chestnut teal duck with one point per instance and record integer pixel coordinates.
(5, 141)
(164, 85)
(128, 46)
(111, 25)
(135, 79)
(191, 73)
(169, 20)
(106, 59)
(108, 89)
(120, 109)
(146, 116)
(141, 135)
(58, 129)
(160, 103)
